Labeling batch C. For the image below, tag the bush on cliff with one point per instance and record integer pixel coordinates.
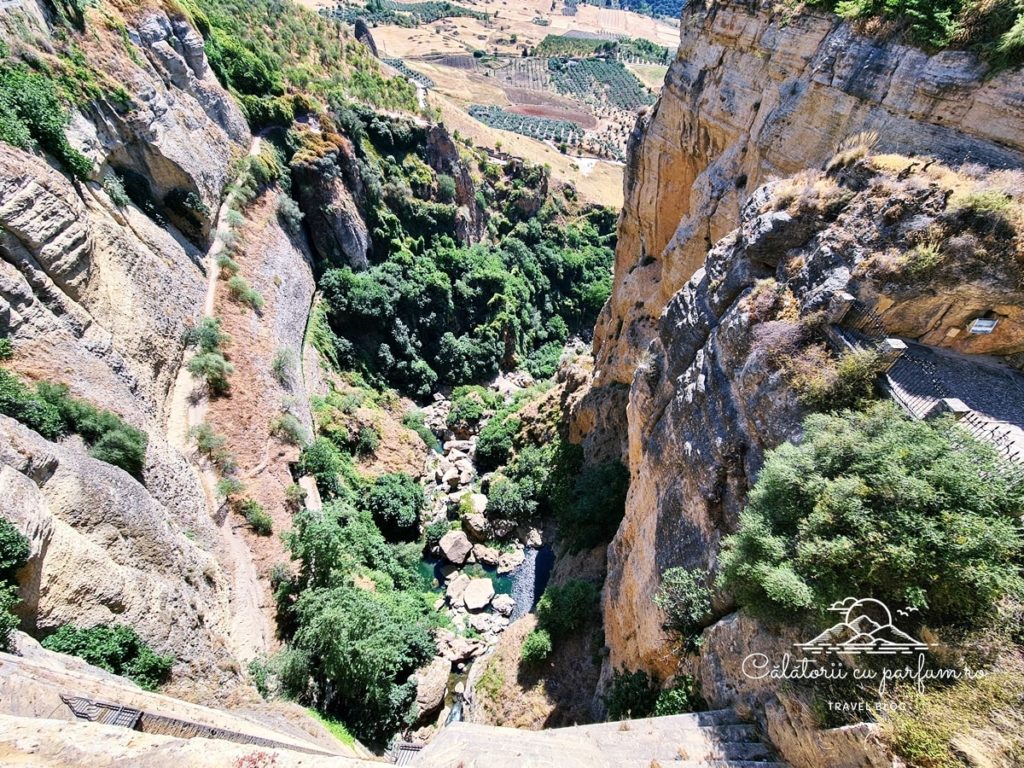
(685, 598)
(51, 411)
(117, 649)
(14, 552)
(395, 500)
(874, 504)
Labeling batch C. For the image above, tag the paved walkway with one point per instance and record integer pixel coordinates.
(994, 392)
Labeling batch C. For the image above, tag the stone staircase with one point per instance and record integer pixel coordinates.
(716, 739)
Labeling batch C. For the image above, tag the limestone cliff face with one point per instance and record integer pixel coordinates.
(97, 296)
(716, 387)
(751, 96)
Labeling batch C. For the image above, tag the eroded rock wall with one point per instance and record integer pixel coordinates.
(752, 95)
(714, 390)
(97, 295)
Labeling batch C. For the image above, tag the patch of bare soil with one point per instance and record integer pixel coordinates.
(555, 113)
(245, 416)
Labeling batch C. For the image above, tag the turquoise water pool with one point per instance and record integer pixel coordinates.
(430, 570)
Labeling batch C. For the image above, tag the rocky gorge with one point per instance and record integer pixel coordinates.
(802, 191)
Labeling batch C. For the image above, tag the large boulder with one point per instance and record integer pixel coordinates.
(503, 604)
(509, 561)
(457, 649)
(455, 547)
(486, 555)
(431, 686)
(478, 594)
(456, 587)
(477, 527)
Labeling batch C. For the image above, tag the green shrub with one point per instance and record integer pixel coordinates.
(563, 610)
(283, 367)
(435, 531)
(445, 188)
(543, 361)
(509, 499)
(495, 442)
(227, 265)
(367, 441)
(6, 348)
(685, 598)
(213, 447)
(229, 486)
(874, 504)
(598, 506)
(8, 620)
(18, 402)
(52, 411)
(117, 649)
(124, 448)
(257, 517)
(536, 647)
(363, 644)
(326, 464)
(415, 421)
(630, 695)
(469, 405)
(14, 551)
(395, 499)
(288, 427)
(850, 383)
(240, 290)
(290, 214)
(213, 369)
(682, 697)
(114, 188)
(32, 113)
(207, 336)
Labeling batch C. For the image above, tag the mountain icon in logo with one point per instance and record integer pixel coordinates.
(867, 628)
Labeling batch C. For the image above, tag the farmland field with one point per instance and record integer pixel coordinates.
(550, 80)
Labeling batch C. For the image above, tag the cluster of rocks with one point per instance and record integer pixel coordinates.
(478, 614)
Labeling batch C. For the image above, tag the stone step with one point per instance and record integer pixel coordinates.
(630, 731)
(688, 720)
(676, 748)
(646, 763)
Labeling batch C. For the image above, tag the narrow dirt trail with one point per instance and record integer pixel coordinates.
(250, 632)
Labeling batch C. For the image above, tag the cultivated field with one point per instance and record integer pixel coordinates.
(523, 75)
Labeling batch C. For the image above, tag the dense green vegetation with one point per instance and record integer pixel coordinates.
(33, 114)
(275, 55)
(358, 619)
(402, 14)
(543, 128)
(874, 504)
(685, 597)
(429, 311)
(51, 411)
(561, 612)
(635, 694)
(395, 500)
(209, 363)
(994, 28)
(14, 552)
(117, 649)
(592, 78)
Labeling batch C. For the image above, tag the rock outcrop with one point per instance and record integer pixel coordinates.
(753, 95)
(103, 551)
(719, 383)
(96, 294)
